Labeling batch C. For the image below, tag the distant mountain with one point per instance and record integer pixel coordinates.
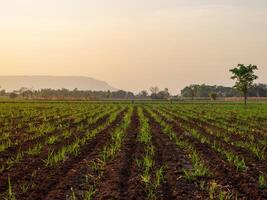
(10, 83)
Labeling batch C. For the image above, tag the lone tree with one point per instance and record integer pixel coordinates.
(244, 76)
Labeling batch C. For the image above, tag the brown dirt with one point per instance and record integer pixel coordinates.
(121, 177)
(22, 172)
(175, 186)
(241, 183)
(26, 144)
(55, 183)
(253, 163)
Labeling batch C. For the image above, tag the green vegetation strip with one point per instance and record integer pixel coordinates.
(151, 177)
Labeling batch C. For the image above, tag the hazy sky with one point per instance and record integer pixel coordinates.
(134, 44)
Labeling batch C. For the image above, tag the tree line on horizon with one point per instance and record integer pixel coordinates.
(191, 91)
(244, 86)
(203, 90)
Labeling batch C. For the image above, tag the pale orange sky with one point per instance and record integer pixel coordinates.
(134, 44)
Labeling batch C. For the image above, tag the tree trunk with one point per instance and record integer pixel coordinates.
(245, 98)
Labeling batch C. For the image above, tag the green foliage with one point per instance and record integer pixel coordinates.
(24, 187)
(238, 162)
(262, 181)
(73, 195)
(223, 128)
(216, 191)
(35, 150)
(151, 180)
(190, 91)
(198, 168)
(98, 166)
(213, 96)
(11, 195)
(88, 195)
(244, 76)
(159, 176)
(13, 95)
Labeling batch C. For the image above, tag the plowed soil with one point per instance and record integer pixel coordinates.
(121, 179)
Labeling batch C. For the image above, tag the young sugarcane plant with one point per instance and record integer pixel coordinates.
(262, 181)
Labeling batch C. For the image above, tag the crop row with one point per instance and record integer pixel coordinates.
(57, 147)
(118, 151)
(254, 173)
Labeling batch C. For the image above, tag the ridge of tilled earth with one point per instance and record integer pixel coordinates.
(24, 172)
(175, 160)
(13, 150)
(239, 182)
(56, 182)
(255, 166)
(121, 178)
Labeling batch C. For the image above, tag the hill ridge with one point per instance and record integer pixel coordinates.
(37, 82)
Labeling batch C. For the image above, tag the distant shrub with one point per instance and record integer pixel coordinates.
(13, 95)
(213, 96)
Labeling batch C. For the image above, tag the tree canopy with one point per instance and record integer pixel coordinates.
(244, 76)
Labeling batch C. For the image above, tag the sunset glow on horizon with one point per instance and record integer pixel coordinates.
(134, 44)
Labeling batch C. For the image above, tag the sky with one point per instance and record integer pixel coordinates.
(134, 45)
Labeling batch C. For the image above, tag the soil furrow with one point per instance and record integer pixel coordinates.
(116, 182)
(19, 133)
(175, 186)
(226, 174)
(32, 164)
(28, 143)
(255, 165)
(14, 149)
(72, 173)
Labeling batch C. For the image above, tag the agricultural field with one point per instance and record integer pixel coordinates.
(82, 150)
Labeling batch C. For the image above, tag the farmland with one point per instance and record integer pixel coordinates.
(81, 150)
